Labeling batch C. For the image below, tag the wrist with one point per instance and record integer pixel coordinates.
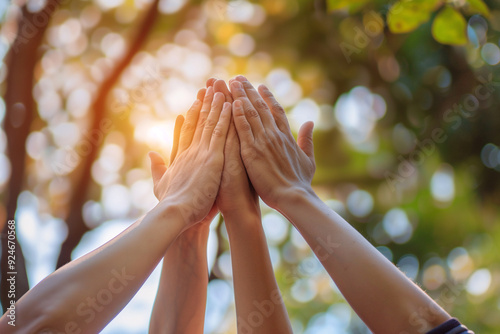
(168, 217)
(247, 205)
(295, 197)
(196, 235)
(190, 245)
(183, 210)
(243, 220)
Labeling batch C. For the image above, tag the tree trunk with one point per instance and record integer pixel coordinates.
(75, 222)
(20, 110)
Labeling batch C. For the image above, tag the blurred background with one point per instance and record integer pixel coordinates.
(405, 96)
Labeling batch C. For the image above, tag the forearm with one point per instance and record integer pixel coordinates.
(87, 293)
(256, 290)
(181, 299)
(386, 300)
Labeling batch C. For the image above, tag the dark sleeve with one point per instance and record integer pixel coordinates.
(452, 326)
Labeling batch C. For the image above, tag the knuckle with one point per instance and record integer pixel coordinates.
(210, 123)
(217, 132)
(189, 126)
(243, 124)
(202, 122)
(260, 104)
(251, 112)
(267, 93)
(246, 127)
(277, 108)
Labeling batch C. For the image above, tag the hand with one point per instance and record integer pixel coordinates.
(192, 180)
(235, 192)
(277, 166)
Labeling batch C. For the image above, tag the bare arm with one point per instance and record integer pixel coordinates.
(84, 295)
(281, 171)
(181, 298)
(259, 306)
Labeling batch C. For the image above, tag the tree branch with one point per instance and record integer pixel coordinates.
(20, 111)
(75, 222)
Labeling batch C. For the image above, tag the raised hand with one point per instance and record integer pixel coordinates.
(278, 166)
(187, 192)
(281, 172)
(253, 276)
(235, 192)
(159, 167)
(192, 180)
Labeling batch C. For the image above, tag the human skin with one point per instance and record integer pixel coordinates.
(259, 306)
(281, 170)
(84, 295)
(182, 292)
(181, 297)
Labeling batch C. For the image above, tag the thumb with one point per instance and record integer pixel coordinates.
(158, 166)
(305, 139)
(179, 121)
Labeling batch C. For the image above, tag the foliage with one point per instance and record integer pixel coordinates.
(405, 98)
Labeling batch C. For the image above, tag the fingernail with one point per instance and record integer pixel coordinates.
(240, 77)
(237, 84)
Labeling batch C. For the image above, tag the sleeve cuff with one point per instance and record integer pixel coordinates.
(452, 326)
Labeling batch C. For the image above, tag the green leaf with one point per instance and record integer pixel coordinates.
(350, 5)
(407, 15)
(476, 7)
(449, 27)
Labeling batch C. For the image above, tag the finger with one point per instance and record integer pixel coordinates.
(213, 118)
(219, 133)
(220, 86)
(177, 134)
(258, 103)
(243, 128)
(276, 109)
(205, 110)
(305, 139)
(211, 81)
(158, 166)
(251, 114)
(201, 94)
(232, 149)
(232, 136)
(189, 126)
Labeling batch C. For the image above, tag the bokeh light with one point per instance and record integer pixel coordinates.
(373, 109)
